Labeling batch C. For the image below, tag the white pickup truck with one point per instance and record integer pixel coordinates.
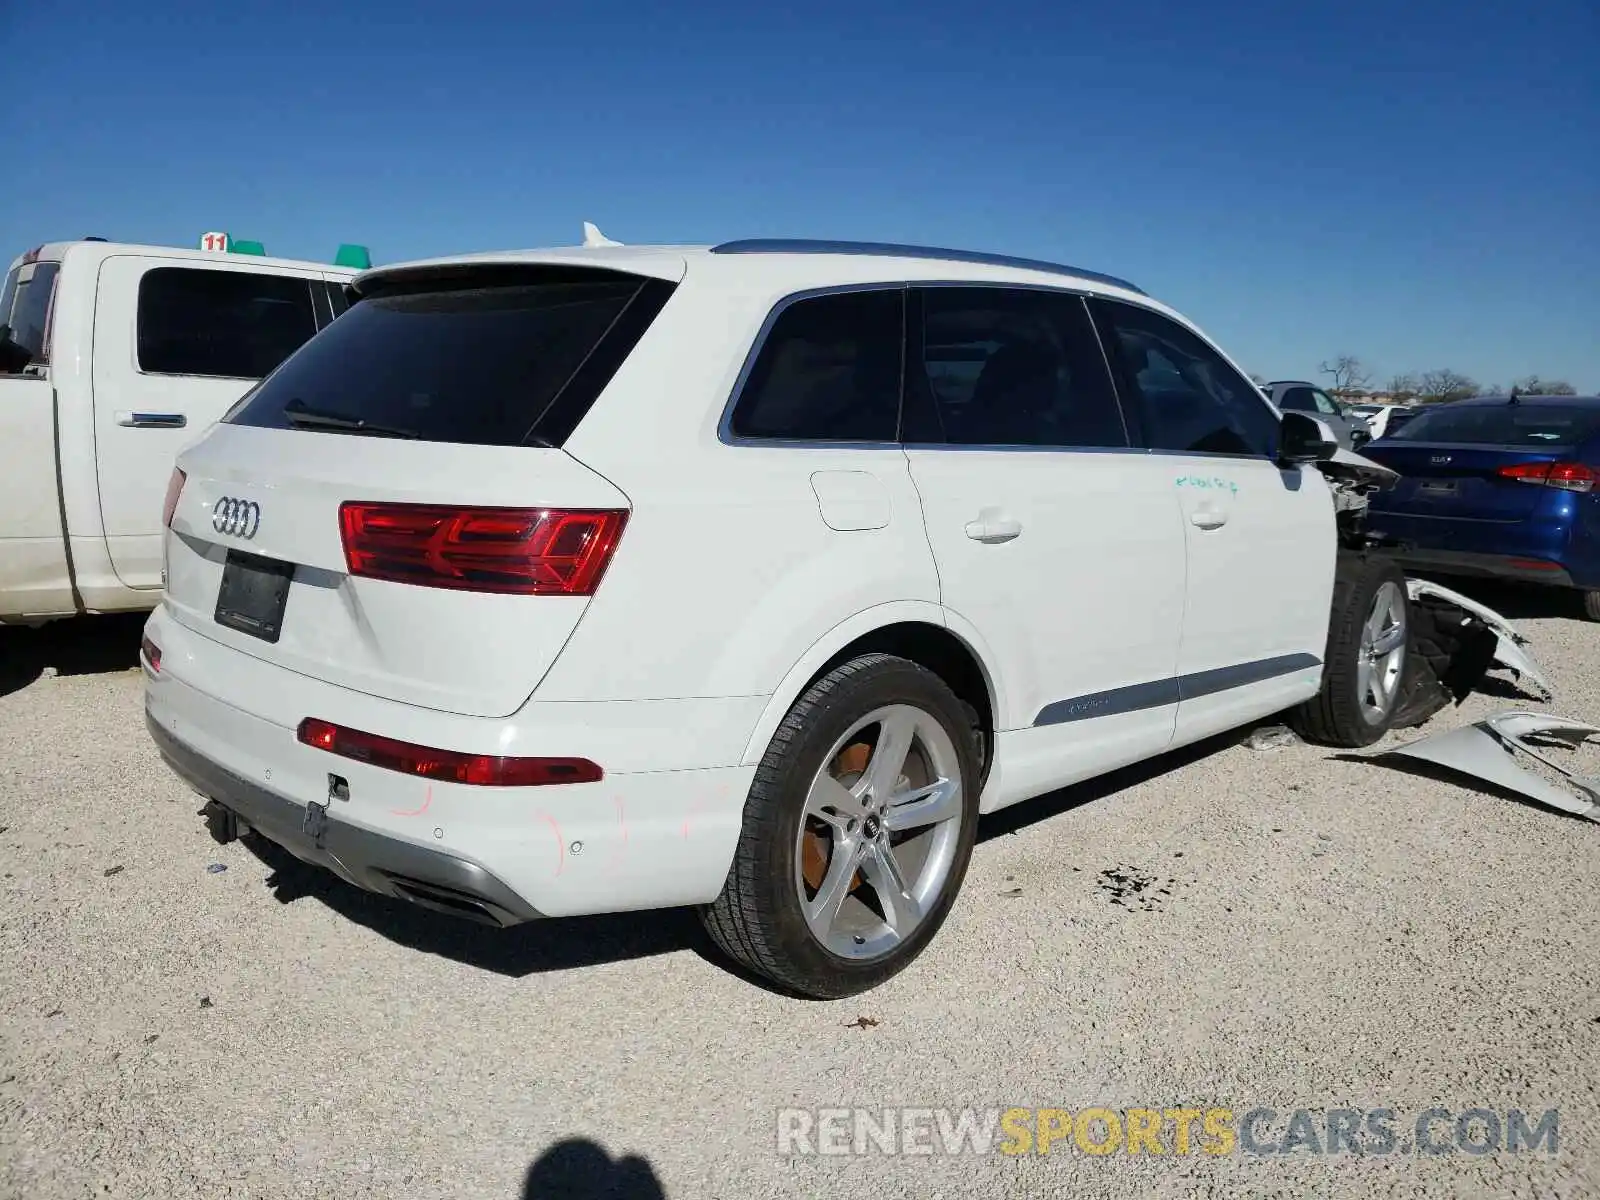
(113, 358)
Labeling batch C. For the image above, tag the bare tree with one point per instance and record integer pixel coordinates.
(1438, 387)
(1535, 386)
(1403, 386)
(1348, 371)
(1491, 389)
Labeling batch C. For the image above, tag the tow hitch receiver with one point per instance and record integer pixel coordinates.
(315, 825)
(221, 822)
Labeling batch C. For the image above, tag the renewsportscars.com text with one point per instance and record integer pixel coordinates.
(1164, 1130)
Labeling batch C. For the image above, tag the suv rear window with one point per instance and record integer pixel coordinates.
(480, 359)
(1502, 425)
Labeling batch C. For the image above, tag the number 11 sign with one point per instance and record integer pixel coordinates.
(214, 241)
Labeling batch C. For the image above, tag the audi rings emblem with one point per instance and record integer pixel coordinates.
(241, 518)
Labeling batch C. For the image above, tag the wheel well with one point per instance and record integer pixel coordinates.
(947, 656)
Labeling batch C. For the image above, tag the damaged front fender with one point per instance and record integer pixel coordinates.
(1511, 647)
(1488, 750)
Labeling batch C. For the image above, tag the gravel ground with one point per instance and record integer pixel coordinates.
(1290, 928)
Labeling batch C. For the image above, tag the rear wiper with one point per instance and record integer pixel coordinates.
(302, 417)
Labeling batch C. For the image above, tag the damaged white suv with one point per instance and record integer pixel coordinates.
(743, 577)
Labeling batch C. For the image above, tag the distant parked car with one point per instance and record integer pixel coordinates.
(1296, 395)
(1383, 419)
(1499, 487)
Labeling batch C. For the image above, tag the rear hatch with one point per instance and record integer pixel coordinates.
(1490, 463)
(391, 510)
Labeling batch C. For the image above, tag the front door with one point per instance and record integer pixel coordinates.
(176, 343)
(1057, 544)
(1261, 538)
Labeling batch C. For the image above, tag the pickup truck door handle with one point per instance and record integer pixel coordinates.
(1208, 518)
(991, 527)
(152, 420)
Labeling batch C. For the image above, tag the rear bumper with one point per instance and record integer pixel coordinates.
(638, 839)
(369, 860)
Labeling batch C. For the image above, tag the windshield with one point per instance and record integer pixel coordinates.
(1504, 425)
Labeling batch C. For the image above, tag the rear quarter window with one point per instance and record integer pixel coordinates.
(828, 370)
(222, 324)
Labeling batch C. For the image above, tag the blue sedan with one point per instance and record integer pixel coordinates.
(1496, 486)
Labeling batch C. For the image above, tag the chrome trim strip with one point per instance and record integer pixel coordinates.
(1159, 693)
(897, 250)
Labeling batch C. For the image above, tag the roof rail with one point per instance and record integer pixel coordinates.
(895, 250)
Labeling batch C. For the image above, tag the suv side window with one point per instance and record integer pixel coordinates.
(1299, 399)
(1008, 367)
(222, 324)
(827, 371)
(1189, 398)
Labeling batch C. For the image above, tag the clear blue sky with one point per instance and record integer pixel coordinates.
(1414, 182)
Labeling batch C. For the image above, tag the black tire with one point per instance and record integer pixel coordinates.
(1335, 716)
(1591, 605)
(757, 919)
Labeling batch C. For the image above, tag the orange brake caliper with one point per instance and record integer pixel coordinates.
(818, 847)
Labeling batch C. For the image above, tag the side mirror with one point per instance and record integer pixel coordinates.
(1303, 438)
(14, 359)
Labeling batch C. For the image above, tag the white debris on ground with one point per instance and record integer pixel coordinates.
(1296, 929)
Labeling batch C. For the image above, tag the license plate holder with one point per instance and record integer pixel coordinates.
(1439, 487)
(253, 595)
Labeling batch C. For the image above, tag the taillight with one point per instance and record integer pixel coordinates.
(486, 770)
(524, 551)
(175, 484)
(1569, 476)
(152, 654)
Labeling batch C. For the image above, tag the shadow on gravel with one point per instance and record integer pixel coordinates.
(562, 944)
(80, 646)
(578, 1169)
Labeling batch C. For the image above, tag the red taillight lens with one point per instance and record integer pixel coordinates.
(486, 770)
(152, 654)
(526, 551)
(1569, 476)
(175, 484)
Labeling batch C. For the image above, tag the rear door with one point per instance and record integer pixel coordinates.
(392, 511)
(1055, 540)
(1261, 538)
(177, 342)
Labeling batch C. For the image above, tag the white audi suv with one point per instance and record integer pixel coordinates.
(743, 577)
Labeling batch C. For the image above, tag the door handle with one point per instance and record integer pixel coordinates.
(1208, 518)
(152, 420)
(990, 529)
